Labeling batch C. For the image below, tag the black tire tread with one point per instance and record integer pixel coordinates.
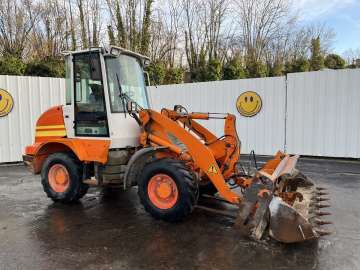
(77, 189)
(188, 190)
(207, 189)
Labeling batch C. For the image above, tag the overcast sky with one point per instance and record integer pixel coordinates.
(342, 15)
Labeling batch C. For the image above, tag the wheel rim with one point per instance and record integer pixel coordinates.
(163, 192)
(59, 178)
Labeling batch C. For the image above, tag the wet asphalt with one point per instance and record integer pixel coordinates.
(110, 230)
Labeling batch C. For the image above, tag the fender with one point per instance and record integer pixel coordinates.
(137, 162)
(86, 150)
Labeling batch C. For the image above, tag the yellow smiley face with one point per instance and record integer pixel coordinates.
(249, 104)
(6, 103)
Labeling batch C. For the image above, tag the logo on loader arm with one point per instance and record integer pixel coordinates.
(212, 169)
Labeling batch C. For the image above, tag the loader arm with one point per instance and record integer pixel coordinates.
(156, 129)
(226, 149)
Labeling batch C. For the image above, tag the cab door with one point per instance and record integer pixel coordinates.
(90, 116)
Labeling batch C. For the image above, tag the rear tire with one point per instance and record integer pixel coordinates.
(177, 197)
(61, 178)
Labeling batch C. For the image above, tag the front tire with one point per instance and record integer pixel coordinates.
(61, 178)
(207, 188)
(167, 190)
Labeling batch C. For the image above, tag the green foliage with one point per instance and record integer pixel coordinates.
(11, 65)
(255, 69)
(157, 72)
(121, 35)
(301, 64)
(334, 61)
(355, 64)
(174, 75)
(277, 69)
(47, 67)
(145, 39)
(199, 72)
(317, 59)
(233, 70)
(213, 70)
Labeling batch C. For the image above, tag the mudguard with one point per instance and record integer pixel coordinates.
(137, 162)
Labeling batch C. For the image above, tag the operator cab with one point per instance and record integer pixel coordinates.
(95, 80)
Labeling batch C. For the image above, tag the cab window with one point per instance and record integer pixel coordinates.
(126, 72)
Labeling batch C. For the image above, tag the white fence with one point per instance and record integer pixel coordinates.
(316, 113)
(264, 133)
(32, 96)
(323, 113)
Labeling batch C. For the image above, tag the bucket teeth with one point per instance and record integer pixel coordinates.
(322, 222)
(323, 233)
(320, 199)
(319, 205)
(320, 213)
(322, 193)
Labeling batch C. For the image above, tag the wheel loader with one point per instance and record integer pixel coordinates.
(107, 135)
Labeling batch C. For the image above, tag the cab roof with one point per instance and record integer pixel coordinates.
(108, 51)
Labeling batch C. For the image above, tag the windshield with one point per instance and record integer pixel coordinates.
(131, 78)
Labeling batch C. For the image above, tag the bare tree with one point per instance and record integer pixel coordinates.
(95, 19)
(17, 20)
(165, 34)
(160, 45)
(72, 27)
(214, 20)
(132, 21)
(261, 21)
(84, 36)
(325, 33)
(49, 36)
(351, 55)
(186, 33)
(195, 33)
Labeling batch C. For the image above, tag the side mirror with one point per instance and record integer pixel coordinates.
(131, 106)
(95, 67)
(146, 62)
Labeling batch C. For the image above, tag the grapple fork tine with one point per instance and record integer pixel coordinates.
(322, 222)
(320, 213)
(323, 233)
(320, 199)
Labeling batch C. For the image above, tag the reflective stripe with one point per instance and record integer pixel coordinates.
(59, 133)
(50, 127)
